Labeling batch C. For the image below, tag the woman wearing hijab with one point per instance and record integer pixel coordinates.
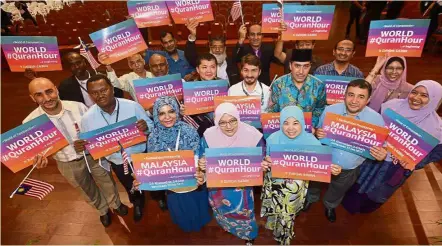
(391, 83)
(188, 209)
(233, 208)
(378, 181)
(282, 199)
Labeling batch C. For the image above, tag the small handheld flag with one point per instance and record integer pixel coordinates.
(34, 188)
(236, 11)
(125, 161)
(86, 53)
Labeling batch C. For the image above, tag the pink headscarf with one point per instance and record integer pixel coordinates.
(245, 136)
(384, 85)
(426, 117)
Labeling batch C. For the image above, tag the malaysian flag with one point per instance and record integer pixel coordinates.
(186, 118)
(125, 161)
(86, 53)
(236, 10)
(34, 188)
(190, 121)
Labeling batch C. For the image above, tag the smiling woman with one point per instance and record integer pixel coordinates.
(379, 181)
(391, 83)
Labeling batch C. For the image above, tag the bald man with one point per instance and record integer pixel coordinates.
(98, 187)
(125, 82)
(158, 65)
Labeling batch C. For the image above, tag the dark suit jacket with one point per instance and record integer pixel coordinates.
(191, 55)
(266, 58)
(69, 89)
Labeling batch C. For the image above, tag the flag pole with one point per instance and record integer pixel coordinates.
(77, 129)
(18, 187)
(240, 10)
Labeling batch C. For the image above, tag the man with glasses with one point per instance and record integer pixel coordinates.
(299, 88)
(109, 110)
(265, 52)
(217, 45)
(175, 57)
(343, 51)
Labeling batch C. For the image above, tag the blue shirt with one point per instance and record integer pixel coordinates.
(310, 98)
(181, 66)
(329, 69)
(96, 118)
(343, 158)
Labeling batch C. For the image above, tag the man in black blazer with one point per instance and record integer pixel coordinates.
(256, 47)
(227, 68)
(74, 87)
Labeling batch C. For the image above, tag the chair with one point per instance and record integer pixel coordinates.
(250, 18)
(216, 29)
(202, 32)
(232, 30)
(183, 32)
(221, 19)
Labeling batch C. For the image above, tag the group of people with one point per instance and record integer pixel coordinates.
(90, 101)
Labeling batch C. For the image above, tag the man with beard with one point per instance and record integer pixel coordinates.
(74, 87)
(343, 51)
(97, 186)
(109, 110)
(357, 96)
(299, 88)
(175, 57)
(217, 45)
(125, 82)
(265, 52)
(250, 86)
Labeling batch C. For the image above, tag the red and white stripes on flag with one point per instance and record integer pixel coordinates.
(236, 10)
(86, 53)
(190, 121)
(34, 188)
(125, 161)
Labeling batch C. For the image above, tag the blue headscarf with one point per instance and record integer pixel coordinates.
(304, 138)
(162, 138)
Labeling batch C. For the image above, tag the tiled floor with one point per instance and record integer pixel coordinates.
(410, 217)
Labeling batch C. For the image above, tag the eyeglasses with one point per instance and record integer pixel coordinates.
(391, 69)
(100, 92)
(231, 123)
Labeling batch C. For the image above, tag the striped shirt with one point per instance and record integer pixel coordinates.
(329, 69)
(64, 121)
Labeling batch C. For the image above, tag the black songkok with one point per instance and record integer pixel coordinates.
(301, 55)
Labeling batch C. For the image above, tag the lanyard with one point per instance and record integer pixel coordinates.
(79, 83)
(262, 92)
(118, 113)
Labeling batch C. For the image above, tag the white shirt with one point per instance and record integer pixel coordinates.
(221, 72)
(239, 88)
(64, 121)
(126, 82)
(87, 99)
